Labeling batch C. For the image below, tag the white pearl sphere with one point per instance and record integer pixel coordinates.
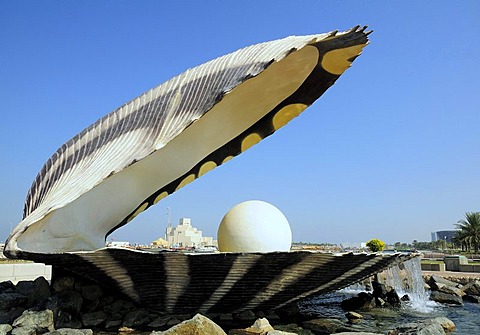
(254, 226)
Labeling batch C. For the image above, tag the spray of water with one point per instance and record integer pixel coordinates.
(407, 278)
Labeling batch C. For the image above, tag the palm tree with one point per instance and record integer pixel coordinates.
(469, 231)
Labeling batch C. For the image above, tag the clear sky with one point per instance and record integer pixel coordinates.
(390, 151)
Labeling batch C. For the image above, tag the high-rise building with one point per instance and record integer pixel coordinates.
(444, 235)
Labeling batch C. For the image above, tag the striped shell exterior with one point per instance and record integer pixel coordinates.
(178, 283)
(159, 142)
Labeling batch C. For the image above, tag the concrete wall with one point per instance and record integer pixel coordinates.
(433, 267)
(469, 268)
(24, 271)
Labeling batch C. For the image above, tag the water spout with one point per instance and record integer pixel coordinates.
(406, 278)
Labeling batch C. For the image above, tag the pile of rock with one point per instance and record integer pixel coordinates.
(72, 305)
(449, 292)
(382, 296)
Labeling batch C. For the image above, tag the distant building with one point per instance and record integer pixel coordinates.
(184, 235)
(444, 235)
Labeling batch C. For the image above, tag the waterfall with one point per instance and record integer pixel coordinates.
(406, 278)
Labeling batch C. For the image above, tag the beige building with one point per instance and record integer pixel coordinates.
(184, 235)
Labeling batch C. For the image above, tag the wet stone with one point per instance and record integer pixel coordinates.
(94, 319)
(70, 331)
(7, 286)
(63, 283)
(91, 292)
(137, 318)
(13, 299)
(36, 291)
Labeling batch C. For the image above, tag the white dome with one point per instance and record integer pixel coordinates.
(254, 226)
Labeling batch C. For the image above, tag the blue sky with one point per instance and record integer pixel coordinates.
(390, 151)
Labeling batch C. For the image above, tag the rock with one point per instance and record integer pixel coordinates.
(7, 286)
(114, 321)
(36, 291)
(12, 299)
(11, 315)
(353, 316)
(246, 316)
(70, 331)
(260, 326)
(436, 326)
(471, 298)
(446, 298)
(325, 326)
(5, 329)
(94, 319)
(379, 290)
(357, 333)
(405, 297)
(137, 318)
(91, 292)
(198, 325)
(63, 283)
(446, 323)
(472, 288)
(362, 301)
(294, 328)
(33, 322)
(379, 302)
(159, 322)
(69, 301)
(279, 332)
(449, 289)
(392, 298)
(435, 280)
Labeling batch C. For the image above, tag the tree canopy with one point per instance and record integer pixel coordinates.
(469, 231)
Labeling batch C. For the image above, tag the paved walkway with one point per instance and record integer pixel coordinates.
(453, 274)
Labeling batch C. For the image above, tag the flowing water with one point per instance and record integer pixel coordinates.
(406, 279)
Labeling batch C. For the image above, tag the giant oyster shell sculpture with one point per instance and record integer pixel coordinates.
(164, 139)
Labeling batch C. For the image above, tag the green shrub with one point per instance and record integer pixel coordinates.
(375, 245)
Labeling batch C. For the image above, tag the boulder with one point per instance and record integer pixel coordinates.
(446, 298)
(91, 292)
(11, 299)
(260, 326)
(7, 286)
(392, 298)
(94, 319)
(63, 283)
(294, 328)
(137, 318)
(68, 301)
(353, 316)
(246, 316)
(363, 300)
(435, 326)
(5, 329)
(472, 288)
(449, 289)
(380, 290)
(198, 325)
(70, 331)
(36, 291)
(471, 298)
(325, 326)
(31, 322)
(11, 315)
(435, 280)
